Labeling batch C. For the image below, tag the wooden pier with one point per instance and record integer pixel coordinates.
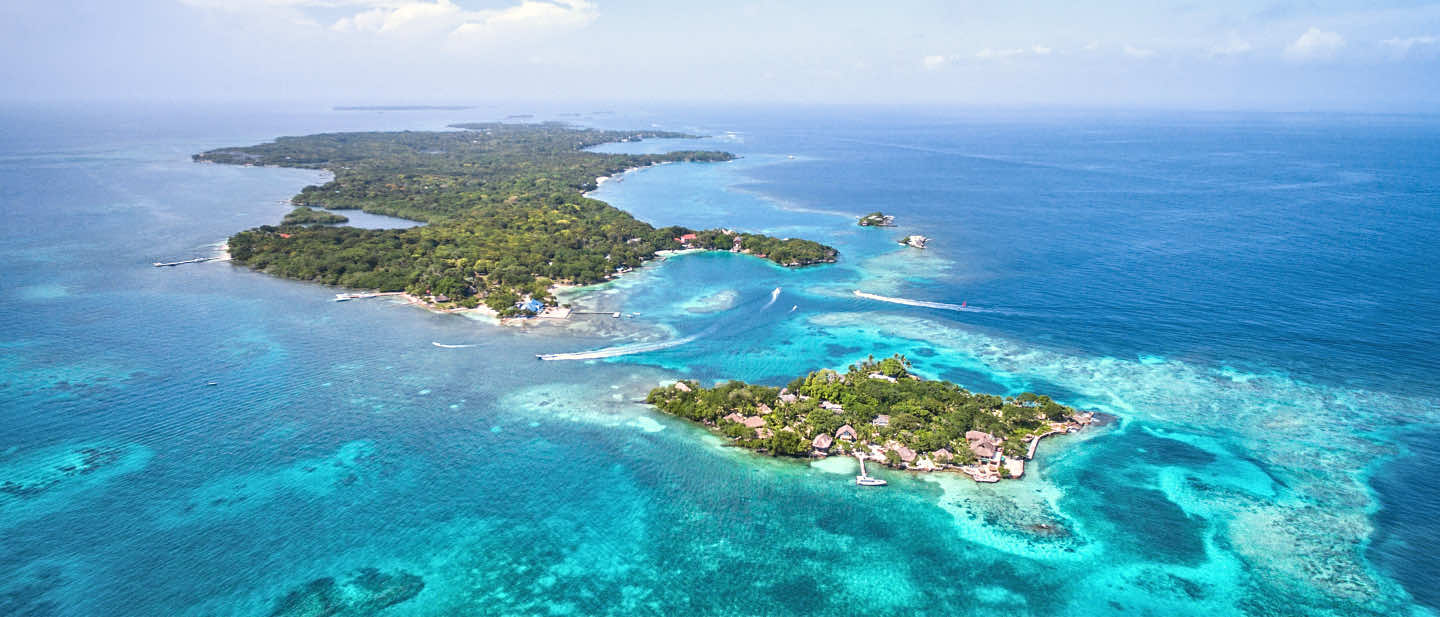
(171, 264)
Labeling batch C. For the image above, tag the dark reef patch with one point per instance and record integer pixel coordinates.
(367, 592)
(85, 461)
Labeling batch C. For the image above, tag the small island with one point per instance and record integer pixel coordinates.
(305, 215)
(879, 411)
(915, 241)
(877, 219)
(505, 207)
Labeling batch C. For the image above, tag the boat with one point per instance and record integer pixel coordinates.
(864, 479)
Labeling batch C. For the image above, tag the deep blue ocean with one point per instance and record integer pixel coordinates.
(1252, 296)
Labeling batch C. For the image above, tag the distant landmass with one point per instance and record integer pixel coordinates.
(505, 206)
(401, 107)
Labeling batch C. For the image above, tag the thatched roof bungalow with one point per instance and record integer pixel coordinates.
(822, 442)
(982, 444)
(847, 433)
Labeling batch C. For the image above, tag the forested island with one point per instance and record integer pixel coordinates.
(882, 412)
(505, 206)
(305, 215)
(877, 219)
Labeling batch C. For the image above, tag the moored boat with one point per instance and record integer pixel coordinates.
(864, 479)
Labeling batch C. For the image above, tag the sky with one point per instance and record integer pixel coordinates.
(1220, 54)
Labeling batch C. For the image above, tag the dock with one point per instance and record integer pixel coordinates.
(171, 264)
(362, 296)
(615, 314)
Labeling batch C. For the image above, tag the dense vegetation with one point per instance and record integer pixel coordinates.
(923, 416)
(504, 204)
(877, 219)
(304, 215)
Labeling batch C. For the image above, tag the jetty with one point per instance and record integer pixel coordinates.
(615, 314)
(368, 294)
(864, 478)
(171, 264)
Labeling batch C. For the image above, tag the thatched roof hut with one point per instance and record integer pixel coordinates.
(822, 441)
(847, 433)
(981, 443)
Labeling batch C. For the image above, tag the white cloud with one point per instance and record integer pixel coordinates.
(1315, 44)
(933, 62)
(1235, 47)
(402, 16)
(423, 18)
(1041, 50)
(1136, 52)
(1402, 47)
(989, 53)
(531, 15)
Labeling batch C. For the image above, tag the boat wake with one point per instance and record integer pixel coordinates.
(625, 350)
(935, 305)
(774, 295)
(450, 346)
(735, 325)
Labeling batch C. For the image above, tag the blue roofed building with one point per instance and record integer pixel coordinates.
(531, 306)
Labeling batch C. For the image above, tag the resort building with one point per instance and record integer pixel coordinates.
(984, 445)
(881, 420)
(847, 433)
(822, 442)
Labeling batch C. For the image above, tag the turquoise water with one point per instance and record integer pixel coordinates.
(1246, 294)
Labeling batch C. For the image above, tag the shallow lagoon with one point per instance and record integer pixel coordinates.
(337, 438)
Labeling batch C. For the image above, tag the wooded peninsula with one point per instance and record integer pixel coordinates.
(880, 411)
(505, 211)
